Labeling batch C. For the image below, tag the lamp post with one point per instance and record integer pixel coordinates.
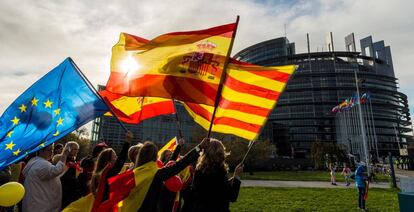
(361, 122)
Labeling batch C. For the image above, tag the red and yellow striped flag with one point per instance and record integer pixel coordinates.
(182, 65)
(133, 110)
(249, 94)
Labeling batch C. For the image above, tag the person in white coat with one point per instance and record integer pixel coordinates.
(42, 182)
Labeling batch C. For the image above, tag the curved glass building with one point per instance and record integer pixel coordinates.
(322, 81)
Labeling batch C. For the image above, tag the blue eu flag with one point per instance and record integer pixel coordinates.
(57, 104)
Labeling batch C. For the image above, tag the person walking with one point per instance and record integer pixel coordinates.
(332, 168)
(360, 183)
(346, 172)
(42, 182)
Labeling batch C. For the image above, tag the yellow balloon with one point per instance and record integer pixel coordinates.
(11, 193)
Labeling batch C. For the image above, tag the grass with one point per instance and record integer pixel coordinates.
(301, 176)
(312, 199)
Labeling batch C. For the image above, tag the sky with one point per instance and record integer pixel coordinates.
(37, 35)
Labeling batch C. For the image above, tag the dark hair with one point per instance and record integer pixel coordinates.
(58, 146)
(147, 153)
(97, 149)
(163, 156)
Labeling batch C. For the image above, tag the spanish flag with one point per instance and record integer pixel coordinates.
(133, 110)
(185, 66)
(249, 94)
(171, 145)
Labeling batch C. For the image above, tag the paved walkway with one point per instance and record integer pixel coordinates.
(305, 184)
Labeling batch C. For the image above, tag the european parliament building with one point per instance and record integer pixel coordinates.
(303, 113)
(323, 80)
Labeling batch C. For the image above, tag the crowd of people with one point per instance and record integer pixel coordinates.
(56, 180)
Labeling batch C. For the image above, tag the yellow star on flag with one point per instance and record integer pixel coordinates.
(57, 111)
(42, 144)
(56, 133)
(48, 104)
(34, 101)
(9, 134)
(22, 108)
(16, 152)
(60, 121)
(10, 145)
(15, 120)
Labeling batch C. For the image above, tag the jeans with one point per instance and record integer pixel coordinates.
(361, 200)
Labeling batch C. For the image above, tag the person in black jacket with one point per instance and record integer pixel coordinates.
(108, 159)
(212, 190)
(167, 197)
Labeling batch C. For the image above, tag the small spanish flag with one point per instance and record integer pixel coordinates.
(171, 145)
(133, 110)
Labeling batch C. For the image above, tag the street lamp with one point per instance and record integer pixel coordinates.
(361, 122)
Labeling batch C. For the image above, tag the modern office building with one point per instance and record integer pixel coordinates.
(323, 80)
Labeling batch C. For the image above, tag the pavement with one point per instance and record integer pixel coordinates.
(305, 184)
(404, 173)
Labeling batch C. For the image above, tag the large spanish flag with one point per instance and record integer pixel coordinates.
(182, 65)
(133, 110)
(249, 94)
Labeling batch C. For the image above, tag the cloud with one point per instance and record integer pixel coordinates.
(38, 35)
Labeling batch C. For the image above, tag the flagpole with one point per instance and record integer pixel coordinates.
(96, 92)
(223, 76)
(177, 119)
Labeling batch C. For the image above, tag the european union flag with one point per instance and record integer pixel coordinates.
(57, 104)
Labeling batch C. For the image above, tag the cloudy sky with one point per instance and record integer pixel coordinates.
(37, 35)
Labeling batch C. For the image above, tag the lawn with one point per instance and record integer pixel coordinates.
(300, 176)
(312, 199)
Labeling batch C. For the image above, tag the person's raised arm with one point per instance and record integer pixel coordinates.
(49, 171)
(169, 171)
(177, 149)
(120, 160)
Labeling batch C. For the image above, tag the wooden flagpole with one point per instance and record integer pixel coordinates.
(223, 76)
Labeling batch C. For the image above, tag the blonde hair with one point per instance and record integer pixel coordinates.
(71, 144)
(104, 159)
(213, 157)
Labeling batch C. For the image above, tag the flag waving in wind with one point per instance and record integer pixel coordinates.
(185, 66)
(58, 103)
(133, 110)
(249, 94)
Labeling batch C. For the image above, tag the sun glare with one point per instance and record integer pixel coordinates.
(129, 65)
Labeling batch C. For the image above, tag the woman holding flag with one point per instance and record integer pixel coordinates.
(212, 190)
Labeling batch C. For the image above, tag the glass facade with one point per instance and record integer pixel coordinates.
(323, 80)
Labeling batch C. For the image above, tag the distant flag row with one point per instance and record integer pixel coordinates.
(146, 75)
(351, 102)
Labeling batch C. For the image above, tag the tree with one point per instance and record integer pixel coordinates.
(80, 137)
(324, 153)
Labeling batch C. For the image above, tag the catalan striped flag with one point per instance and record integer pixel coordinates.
(133, 110)
(171, 65)
(249, 94)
